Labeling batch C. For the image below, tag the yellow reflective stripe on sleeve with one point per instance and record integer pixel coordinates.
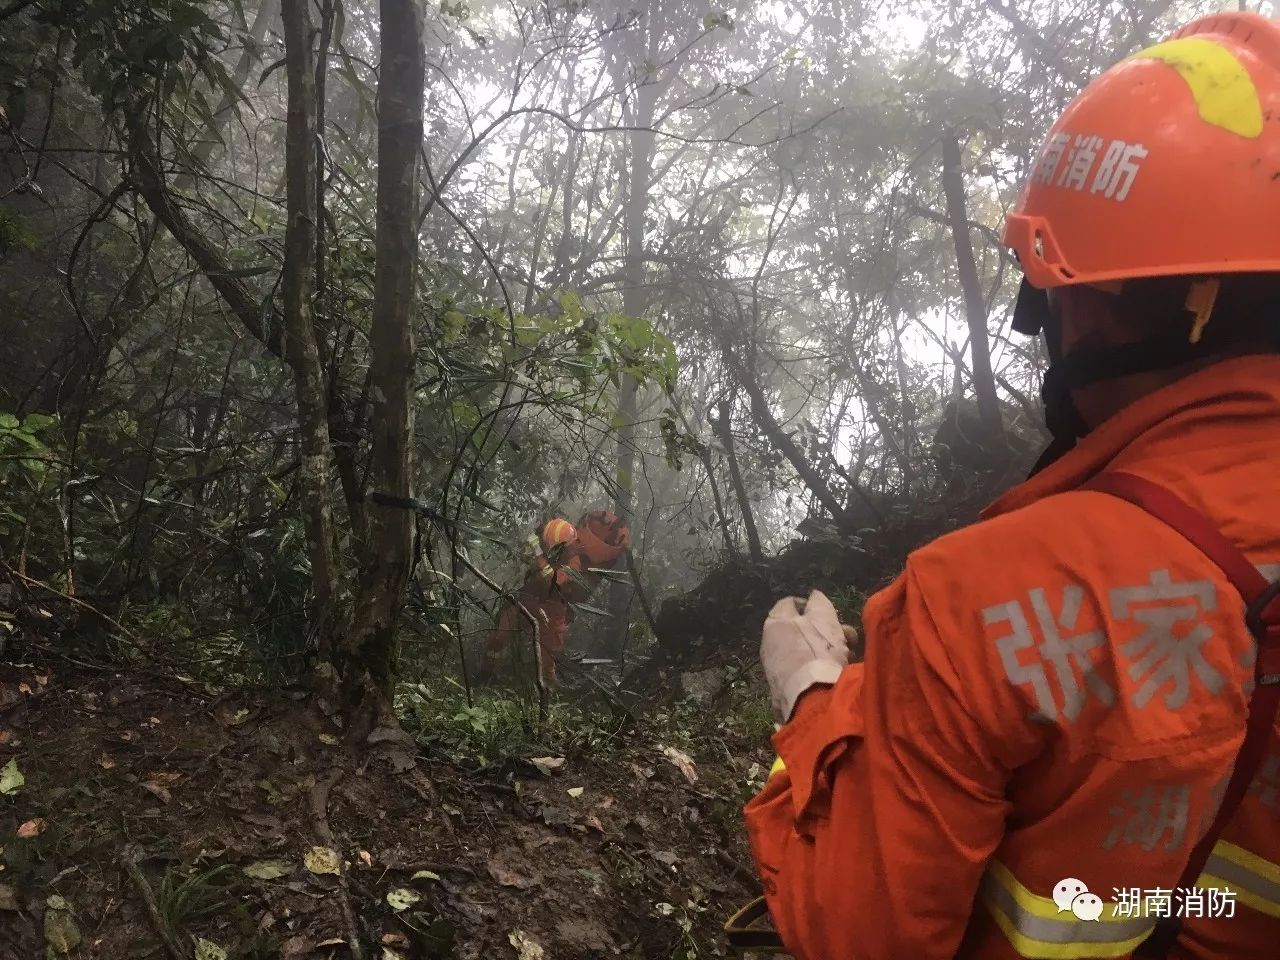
(1220, 85)
(1254, 881)
(777, 765)
(1038, 930)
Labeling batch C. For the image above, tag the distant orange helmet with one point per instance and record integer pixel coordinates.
(1168, 163)
(558, 531)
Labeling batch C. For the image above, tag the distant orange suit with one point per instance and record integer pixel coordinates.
(599, 541)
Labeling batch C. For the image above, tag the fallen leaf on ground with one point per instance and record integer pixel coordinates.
(31, 828)
(366, 858)
(555, 816)
(296, 948)
(663, 856)
(575, 791)
(268, 869)
(5, 736)
(274, 796)
(24, 688)
(11, 778)
(105, 762)
(547, 764)
(395, 940)
(61, 934)
(264, 820)
(328, 738)
(425, 875)
(402, 898)
(208, 950)
(507, 877)
(159, 792)
(526, 947)
(592, 821)
(322, 860)
(683, 761)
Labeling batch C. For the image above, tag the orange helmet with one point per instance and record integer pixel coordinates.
(558, 531)
(1168, 163)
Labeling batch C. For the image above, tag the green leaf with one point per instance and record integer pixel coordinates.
(268, 869)
(572, 306)
(208, 950)
(11, 778)
(322, 860)
(526, 947)
(425, 875)
(613, 576)
(453, 325)
(61, 934)
(402, 898)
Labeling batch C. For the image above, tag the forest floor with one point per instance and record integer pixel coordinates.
(254, 833)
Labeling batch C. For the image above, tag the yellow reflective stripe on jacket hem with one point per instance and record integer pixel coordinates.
(1254, 881)
(777, 765)
(1037, 930)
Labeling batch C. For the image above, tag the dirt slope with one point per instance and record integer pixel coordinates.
(642, 862)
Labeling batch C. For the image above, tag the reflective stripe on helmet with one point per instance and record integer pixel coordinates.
(1036, 928)
(1221, 86)
(558, 531)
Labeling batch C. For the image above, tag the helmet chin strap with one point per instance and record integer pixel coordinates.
(1032, 315)
(1088, 365)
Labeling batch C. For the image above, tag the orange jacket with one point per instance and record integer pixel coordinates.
(1055, 692)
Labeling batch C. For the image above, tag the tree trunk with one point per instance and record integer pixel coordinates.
(768, 423)
(723, 426)
(633, 305)
(300, 348)
(717, 502)
(369, 665)
(984, 384)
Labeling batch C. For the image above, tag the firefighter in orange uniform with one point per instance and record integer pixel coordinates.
(1062, 740)
(561, 575)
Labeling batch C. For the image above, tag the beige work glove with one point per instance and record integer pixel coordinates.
(804, 644)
